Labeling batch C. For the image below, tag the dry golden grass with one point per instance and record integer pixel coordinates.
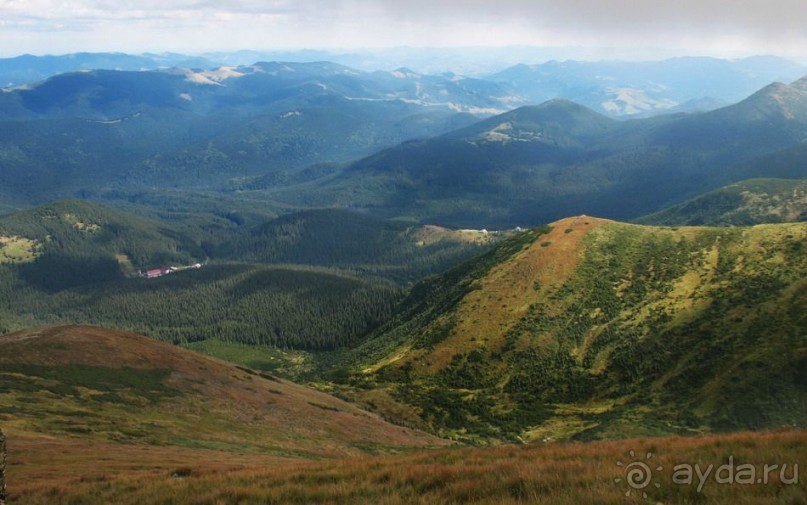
(551, 473)
(487, 314)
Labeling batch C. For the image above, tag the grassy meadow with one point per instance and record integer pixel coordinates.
(53, 473)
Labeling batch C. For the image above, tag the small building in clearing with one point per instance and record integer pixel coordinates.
(158, 272)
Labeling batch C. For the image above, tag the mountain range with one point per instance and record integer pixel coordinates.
(618, 88)
(646, 88)
(95, 128)
(539, 163)
(291, 136)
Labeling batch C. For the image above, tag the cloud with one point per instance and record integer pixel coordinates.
(691, 25)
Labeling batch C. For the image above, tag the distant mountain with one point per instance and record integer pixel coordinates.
(592, 329)
(102, 129)
(633, 88)
(744, 203)
(286, 136)
(28, 69)
(250, 90)
(114, 386)
(537, 163)
(480, 175)
(556, 122)
(800, 85)
(618, 88)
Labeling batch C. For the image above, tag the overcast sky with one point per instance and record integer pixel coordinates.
(719, 27)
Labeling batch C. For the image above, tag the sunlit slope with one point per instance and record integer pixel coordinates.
(599, 329)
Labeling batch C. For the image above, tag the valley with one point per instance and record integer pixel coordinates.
(313, 282)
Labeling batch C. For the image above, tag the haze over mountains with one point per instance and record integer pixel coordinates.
(618, 88)
(539, 163)
(286, 134)
(381, 235)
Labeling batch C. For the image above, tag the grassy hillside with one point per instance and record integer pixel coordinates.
(108, 386)
(559, 474)
(755, 201)
(598, 329)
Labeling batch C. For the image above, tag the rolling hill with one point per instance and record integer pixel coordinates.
(93, 414)
(337, 238)
(289, 307)
(94, 384)
(79, 262)
(755, 201)
(596, 329)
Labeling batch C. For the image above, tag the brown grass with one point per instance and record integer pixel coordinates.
(209, 403)
(552, 473)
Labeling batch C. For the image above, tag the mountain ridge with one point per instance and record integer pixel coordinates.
(538, 163)
(593, 328)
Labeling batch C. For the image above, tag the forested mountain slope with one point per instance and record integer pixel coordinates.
(754, 201)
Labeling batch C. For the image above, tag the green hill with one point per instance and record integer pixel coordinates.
(72, 242)
(597, 329)
(755, 201)
(356, 242)
(315, 280)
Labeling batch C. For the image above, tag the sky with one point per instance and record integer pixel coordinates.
(715, 27)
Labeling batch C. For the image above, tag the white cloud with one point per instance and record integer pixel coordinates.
(747, 26)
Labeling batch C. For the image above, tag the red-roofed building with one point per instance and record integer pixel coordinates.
(158, 272)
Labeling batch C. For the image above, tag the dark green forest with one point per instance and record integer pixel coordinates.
(316, 280)
(286, 307)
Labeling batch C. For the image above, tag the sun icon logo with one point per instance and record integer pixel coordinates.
(638, 474)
